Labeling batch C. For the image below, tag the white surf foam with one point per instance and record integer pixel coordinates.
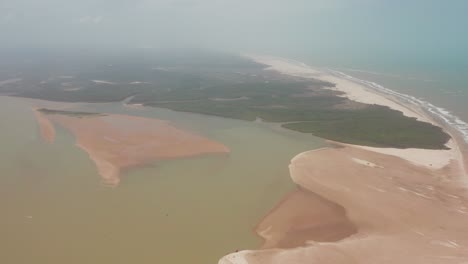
(439, 112)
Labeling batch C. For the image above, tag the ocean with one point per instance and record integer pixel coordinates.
(438, 86)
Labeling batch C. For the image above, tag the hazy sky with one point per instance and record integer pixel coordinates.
(317, 26)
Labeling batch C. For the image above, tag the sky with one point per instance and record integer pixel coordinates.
(346, 28)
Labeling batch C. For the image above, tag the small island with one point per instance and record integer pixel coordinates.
(119, 142)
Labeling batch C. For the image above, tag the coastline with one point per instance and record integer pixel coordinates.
(436, 190)
(403, 213)
(359, 92)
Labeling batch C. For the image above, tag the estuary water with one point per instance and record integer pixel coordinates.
(55, 209)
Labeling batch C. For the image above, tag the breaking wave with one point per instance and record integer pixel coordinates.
(439, 112)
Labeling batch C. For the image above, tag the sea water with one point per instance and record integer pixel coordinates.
(440, 86)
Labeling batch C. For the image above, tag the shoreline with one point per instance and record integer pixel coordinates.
(357, 90)
(46, 128)
(309, 170)
(365, 91)
(396, 206)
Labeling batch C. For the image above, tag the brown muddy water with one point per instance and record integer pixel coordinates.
(55, 209)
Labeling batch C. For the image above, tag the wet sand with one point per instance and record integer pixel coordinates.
(46, 128)
(301, 217)
(119, 142)
(403, 213)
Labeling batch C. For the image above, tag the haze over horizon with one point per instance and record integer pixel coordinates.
(337, 28)
(234, 131)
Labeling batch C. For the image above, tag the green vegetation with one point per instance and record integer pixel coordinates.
(377, 127)
(320, 115)
(236, 88)
(272, 102)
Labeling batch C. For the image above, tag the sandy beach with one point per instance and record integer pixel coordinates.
(360, 93)
(403, 213)
(119, 142)
(369, 205)
(351, 90)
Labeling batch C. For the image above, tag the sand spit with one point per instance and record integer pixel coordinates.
(119, 142)
(352, 90)
(46, 127)
(403, 213)
(360, 93)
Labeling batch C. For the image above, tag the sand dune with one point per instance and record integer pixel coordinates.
(403, 213)
(119, 142)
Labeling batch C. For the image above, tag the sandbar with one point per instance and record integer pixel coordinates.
(120, 142)
(46, 128)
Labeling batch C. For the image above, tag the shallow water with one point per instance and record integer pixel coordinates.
(55, 209)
